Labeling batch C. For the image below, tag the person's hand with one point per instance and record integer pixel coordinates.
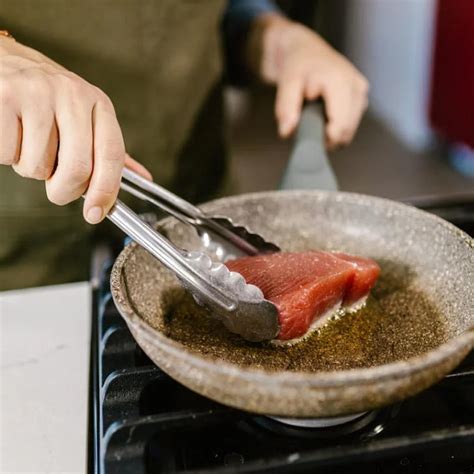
(56, 127)
(303, 66)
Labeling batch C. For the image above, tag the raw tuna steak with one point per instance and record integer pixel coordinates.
(366, 272)
(308, 287)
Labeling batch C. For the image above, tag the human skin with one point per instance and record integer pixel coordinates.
(59, 128)
(303, 66)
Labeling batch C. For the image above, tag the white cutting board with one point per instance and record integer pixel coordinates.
(44, 378)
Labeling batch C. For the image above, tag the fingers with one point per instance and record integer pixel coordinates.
(134, 165)
(289, 100)
(109, 157)
(56, 127)
(338, 112)
(39, 144)
(345, 105)
(10, 137)
(360, 93)
(74, 157)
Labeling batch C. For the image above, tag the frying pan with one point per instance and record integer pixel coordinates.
(422, 328)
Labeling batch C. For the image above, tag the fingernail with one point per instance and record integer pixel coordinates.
(94, 215)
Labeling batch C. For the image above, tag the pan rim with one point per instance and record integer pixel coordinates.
(397, 369)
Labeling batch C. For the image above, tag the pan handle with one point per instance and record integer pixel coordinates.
(309, 166)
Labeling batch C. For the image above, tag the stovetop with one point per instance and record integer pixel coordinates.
(142, 421)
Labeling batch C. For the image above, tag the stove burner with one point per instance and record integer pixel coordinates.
(318, 422)
(363, 425)
(142, 421)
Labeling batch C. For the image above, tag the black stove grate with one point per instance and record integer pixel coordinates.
(144, 422)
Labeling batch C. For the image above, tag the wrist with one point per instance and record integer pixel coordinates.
(7, 43)
(267, 39)
(6, 34)
(23, 56)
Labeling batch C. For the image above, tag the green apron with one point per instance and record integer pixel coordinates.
(159, 61)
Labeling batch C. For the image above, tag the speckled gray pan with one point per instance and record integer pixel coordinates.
(418, 324)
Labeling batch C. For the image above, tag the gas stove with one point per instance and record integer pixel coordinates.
(142, 421)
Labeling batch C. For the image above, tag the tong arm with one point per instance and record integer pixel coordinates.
(160, 197)
(185, 212)
(161, 248)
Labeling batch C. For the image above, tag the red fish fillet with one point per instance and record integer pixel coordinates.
(306, 285)
(366, 272)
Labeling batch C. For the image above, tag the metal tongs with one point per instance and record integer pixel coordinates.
(240, 306)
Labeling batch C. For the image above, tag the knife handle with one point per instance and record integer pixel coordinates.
(309, 166)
